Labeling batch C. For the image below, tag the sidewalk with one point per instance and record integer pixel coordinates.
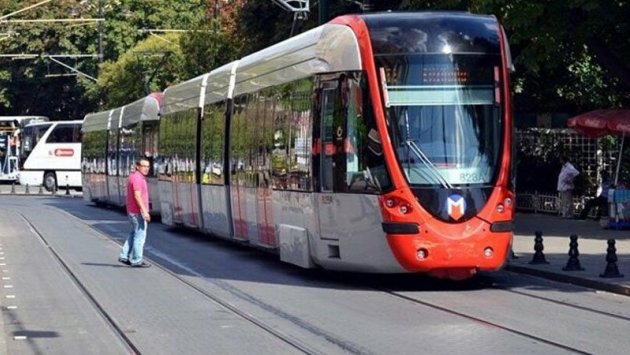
(592, 247)
(7, 188)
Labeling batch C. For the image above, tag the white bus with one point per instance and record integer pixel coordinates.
(50, 155)
(10, 129)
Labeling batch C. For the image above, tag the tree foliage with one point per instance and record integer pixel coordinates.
(208, 47)
(150, 66)
(29, 89)
(571, 56)
(26, 84)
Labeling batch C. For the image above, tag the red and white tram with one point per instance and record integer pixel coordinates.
(377, 143)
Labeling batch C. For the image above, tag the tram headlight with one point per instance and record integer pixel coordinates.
(488, 252)
(500, 208)
(422, 254)
(507, 201)
(390, 202)
(404, 209)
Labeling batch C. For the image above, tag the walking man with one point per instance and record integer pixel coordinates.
(138, 213)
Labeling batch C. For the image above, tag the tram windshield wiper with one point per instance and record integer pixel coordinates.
(432, 172)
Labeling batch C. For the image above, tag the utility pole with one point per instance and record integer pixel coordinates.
(100, 32)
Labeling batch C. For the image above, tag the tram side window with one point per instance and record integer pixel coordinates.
(112, 149)
(176, 160)
(262, 107)
(264, 139)
(279, 156)
(183, 137)
(128, 153)
(245, 106)
(212, 144)
(166, 147)
(292, 137)
(301, 141)
(358, 149)
(88, 153)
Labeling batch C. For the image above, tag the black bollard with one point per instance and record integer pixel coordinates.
(13, 188)
(67, 189)
(41, 189)
(26, 190)
(573, 264)
(611, 261)
(539, 256)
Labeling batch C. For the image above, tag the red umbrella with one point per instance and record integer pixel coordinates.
(592, 124)
(602, 122)
(619, 121)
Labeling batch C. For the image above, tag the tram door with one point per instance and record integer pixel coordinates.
(331, 163)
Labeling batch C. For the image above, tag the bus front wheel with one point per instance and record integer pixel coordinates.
(50, 181)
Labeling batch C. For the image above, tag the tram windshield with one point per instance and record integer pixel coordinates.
(445, 116)
(440, 74)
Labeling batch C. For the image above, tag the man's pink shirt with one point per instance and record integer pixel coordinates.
(136, 181)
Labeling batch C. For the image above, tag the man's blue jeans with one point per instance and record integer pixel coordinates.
(132, 249)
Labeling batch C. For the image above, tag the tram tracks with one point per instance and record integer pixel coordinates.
(117, 330)
(464, 305)
(485, 322)
(297, 344)
(568, 304)
(257, 321)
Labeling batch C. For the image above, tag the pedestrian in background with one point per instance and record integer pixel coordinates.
(138, 213)
(565, 187)
(601, 201)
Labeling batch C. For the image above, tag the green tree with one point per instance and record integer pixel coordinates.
(262, 23)
(152, 65)
(207, 47)
(25, 85)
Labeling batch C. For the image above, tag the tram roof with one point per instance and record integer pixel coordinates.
(218, 83)
(144, 109)
(327, 48)
(116, 118)
(184, 95)
(214, 85)
(98, 121)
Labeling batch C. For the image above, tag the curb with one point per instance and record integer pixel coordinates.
(580, 281)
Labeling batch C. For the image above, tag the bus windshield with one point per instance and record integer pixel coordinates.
(445, 116)
(30, 137)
